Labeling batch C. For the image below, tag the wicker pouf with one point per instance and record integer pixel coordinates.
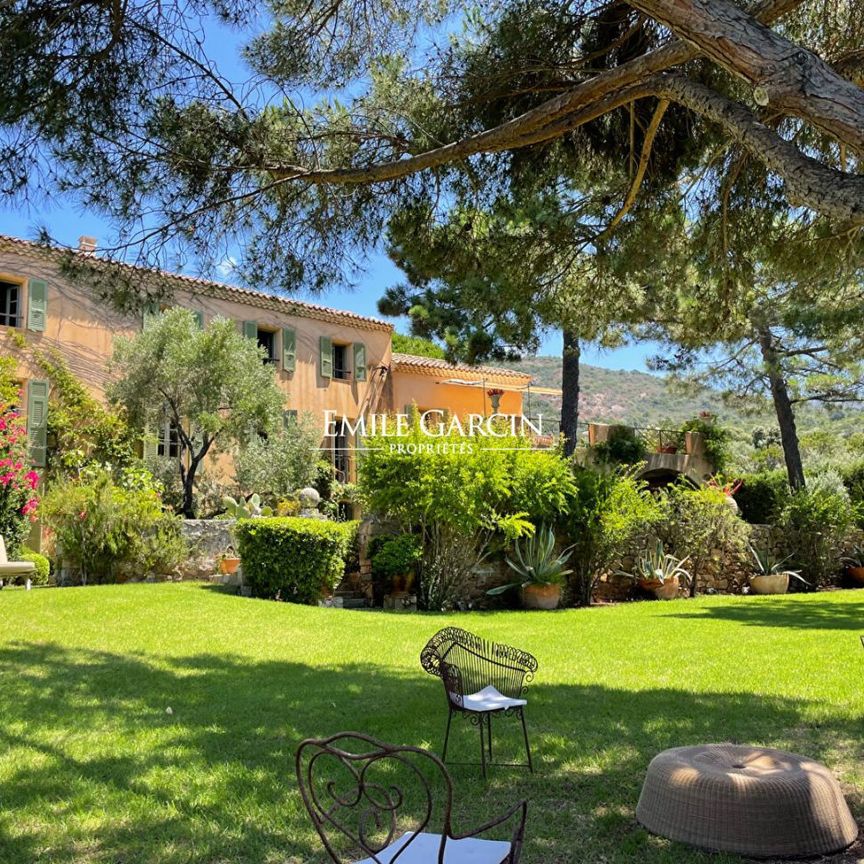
(750, 800)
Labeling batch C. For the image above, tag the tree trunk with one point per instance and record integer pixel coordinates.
(783, 409)
(787, 77)
(570, 391)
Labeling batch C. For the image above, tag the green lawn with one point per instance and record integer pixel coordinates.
(93, 769)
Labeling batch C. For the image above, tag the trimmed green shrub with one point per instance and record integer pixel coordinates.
(293, 558)
(761, 496)
(43, 565)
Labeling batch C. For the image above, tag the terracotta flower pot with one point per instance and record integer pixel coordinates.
(669, 449)
(228, 566)
(770, 583)
(541, 596)
(667, 590)
(856, 574)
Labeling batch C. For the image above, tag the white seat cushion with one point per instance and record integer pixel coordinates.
(424, 850)
(488, 699)
(16, 568)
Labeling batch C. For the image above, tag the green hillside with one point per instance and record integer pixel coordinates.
(611, 395)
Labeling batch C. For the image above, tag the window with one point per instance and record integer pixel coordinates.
(267, 340)
(10, 294)
(169, 441)
(341, 453)
(340, 362)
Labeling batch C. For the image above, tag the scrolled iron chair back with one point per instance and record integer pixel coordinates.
(360, 806)
(467, 663)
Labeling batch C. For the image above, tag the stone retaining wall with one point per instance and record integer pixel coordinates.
(208, 539)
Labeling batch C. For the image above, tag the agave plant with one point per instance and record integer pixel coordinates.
(536, 562)
(657, 566)
(768, 564)
(855, 558)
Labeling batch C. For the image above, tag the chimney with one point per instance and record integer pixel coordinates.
(86, 244)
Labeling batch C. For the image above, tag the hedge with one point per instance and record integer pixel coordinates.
(761, 496)
(293, 558)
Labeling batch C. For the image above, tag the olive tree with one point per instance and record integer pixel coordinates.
(211, 385)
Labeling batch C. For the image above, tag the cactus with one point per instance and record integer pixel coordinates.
(249, 508)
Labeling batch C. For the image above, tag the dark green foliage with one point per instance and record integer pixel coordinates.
(623, 446)
(395, 556)
(292, 558)
(814, 526)
(715, 436)
(761, 496)
(607, 513)
(43, 566)
(853, 480)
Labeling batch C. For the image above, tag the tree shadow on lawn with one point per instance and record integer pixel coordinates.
(97, 771)
(783, 612)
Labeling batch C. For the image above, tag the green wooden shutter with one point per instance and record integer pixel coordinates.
(289, 350)
(151, 312)
(37, 421)
(37, 303)
(250, 330)
(325, 365)
(359, 361)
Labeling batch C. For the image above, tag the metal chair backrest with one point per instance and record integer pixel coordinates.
(363, 794)
(468, 663)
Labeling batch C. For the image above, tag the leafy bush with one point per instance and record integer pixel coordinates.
(18, 497)
(456, 493)
(699, 521)
(279, 464)
(814, 524)
(761, 496)
(293, 558)
(716, 438)
(606, 515)
(623, 446)
(853, 480)
(394, 556)
(105, 529)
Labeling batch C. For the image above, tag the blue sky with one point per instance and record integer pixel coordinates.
(66, 222)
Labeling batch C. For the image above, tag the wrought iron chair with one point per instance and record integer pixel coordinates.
(376, 800)
(480, 678)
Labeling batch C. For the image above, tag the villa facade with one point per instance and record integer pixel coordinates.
(327, 362)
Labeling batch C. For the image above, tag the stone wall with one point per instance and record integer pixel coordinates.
(208, 539)
(720, 574)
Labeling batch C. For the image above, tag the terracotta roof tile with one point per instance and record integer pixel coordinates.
(435, 366)
(301, 308)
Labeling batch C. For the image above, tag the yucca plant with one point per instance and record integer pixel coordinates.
(855, 558)
(536, 562)
(768, 564)
(658, 566)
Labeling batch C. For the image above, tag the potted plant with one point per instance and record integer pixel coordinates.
(229, 561)
(770, 577)
(667, 439)
(855, 565)
(540, 569)
(393, 561)
(659, 573)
